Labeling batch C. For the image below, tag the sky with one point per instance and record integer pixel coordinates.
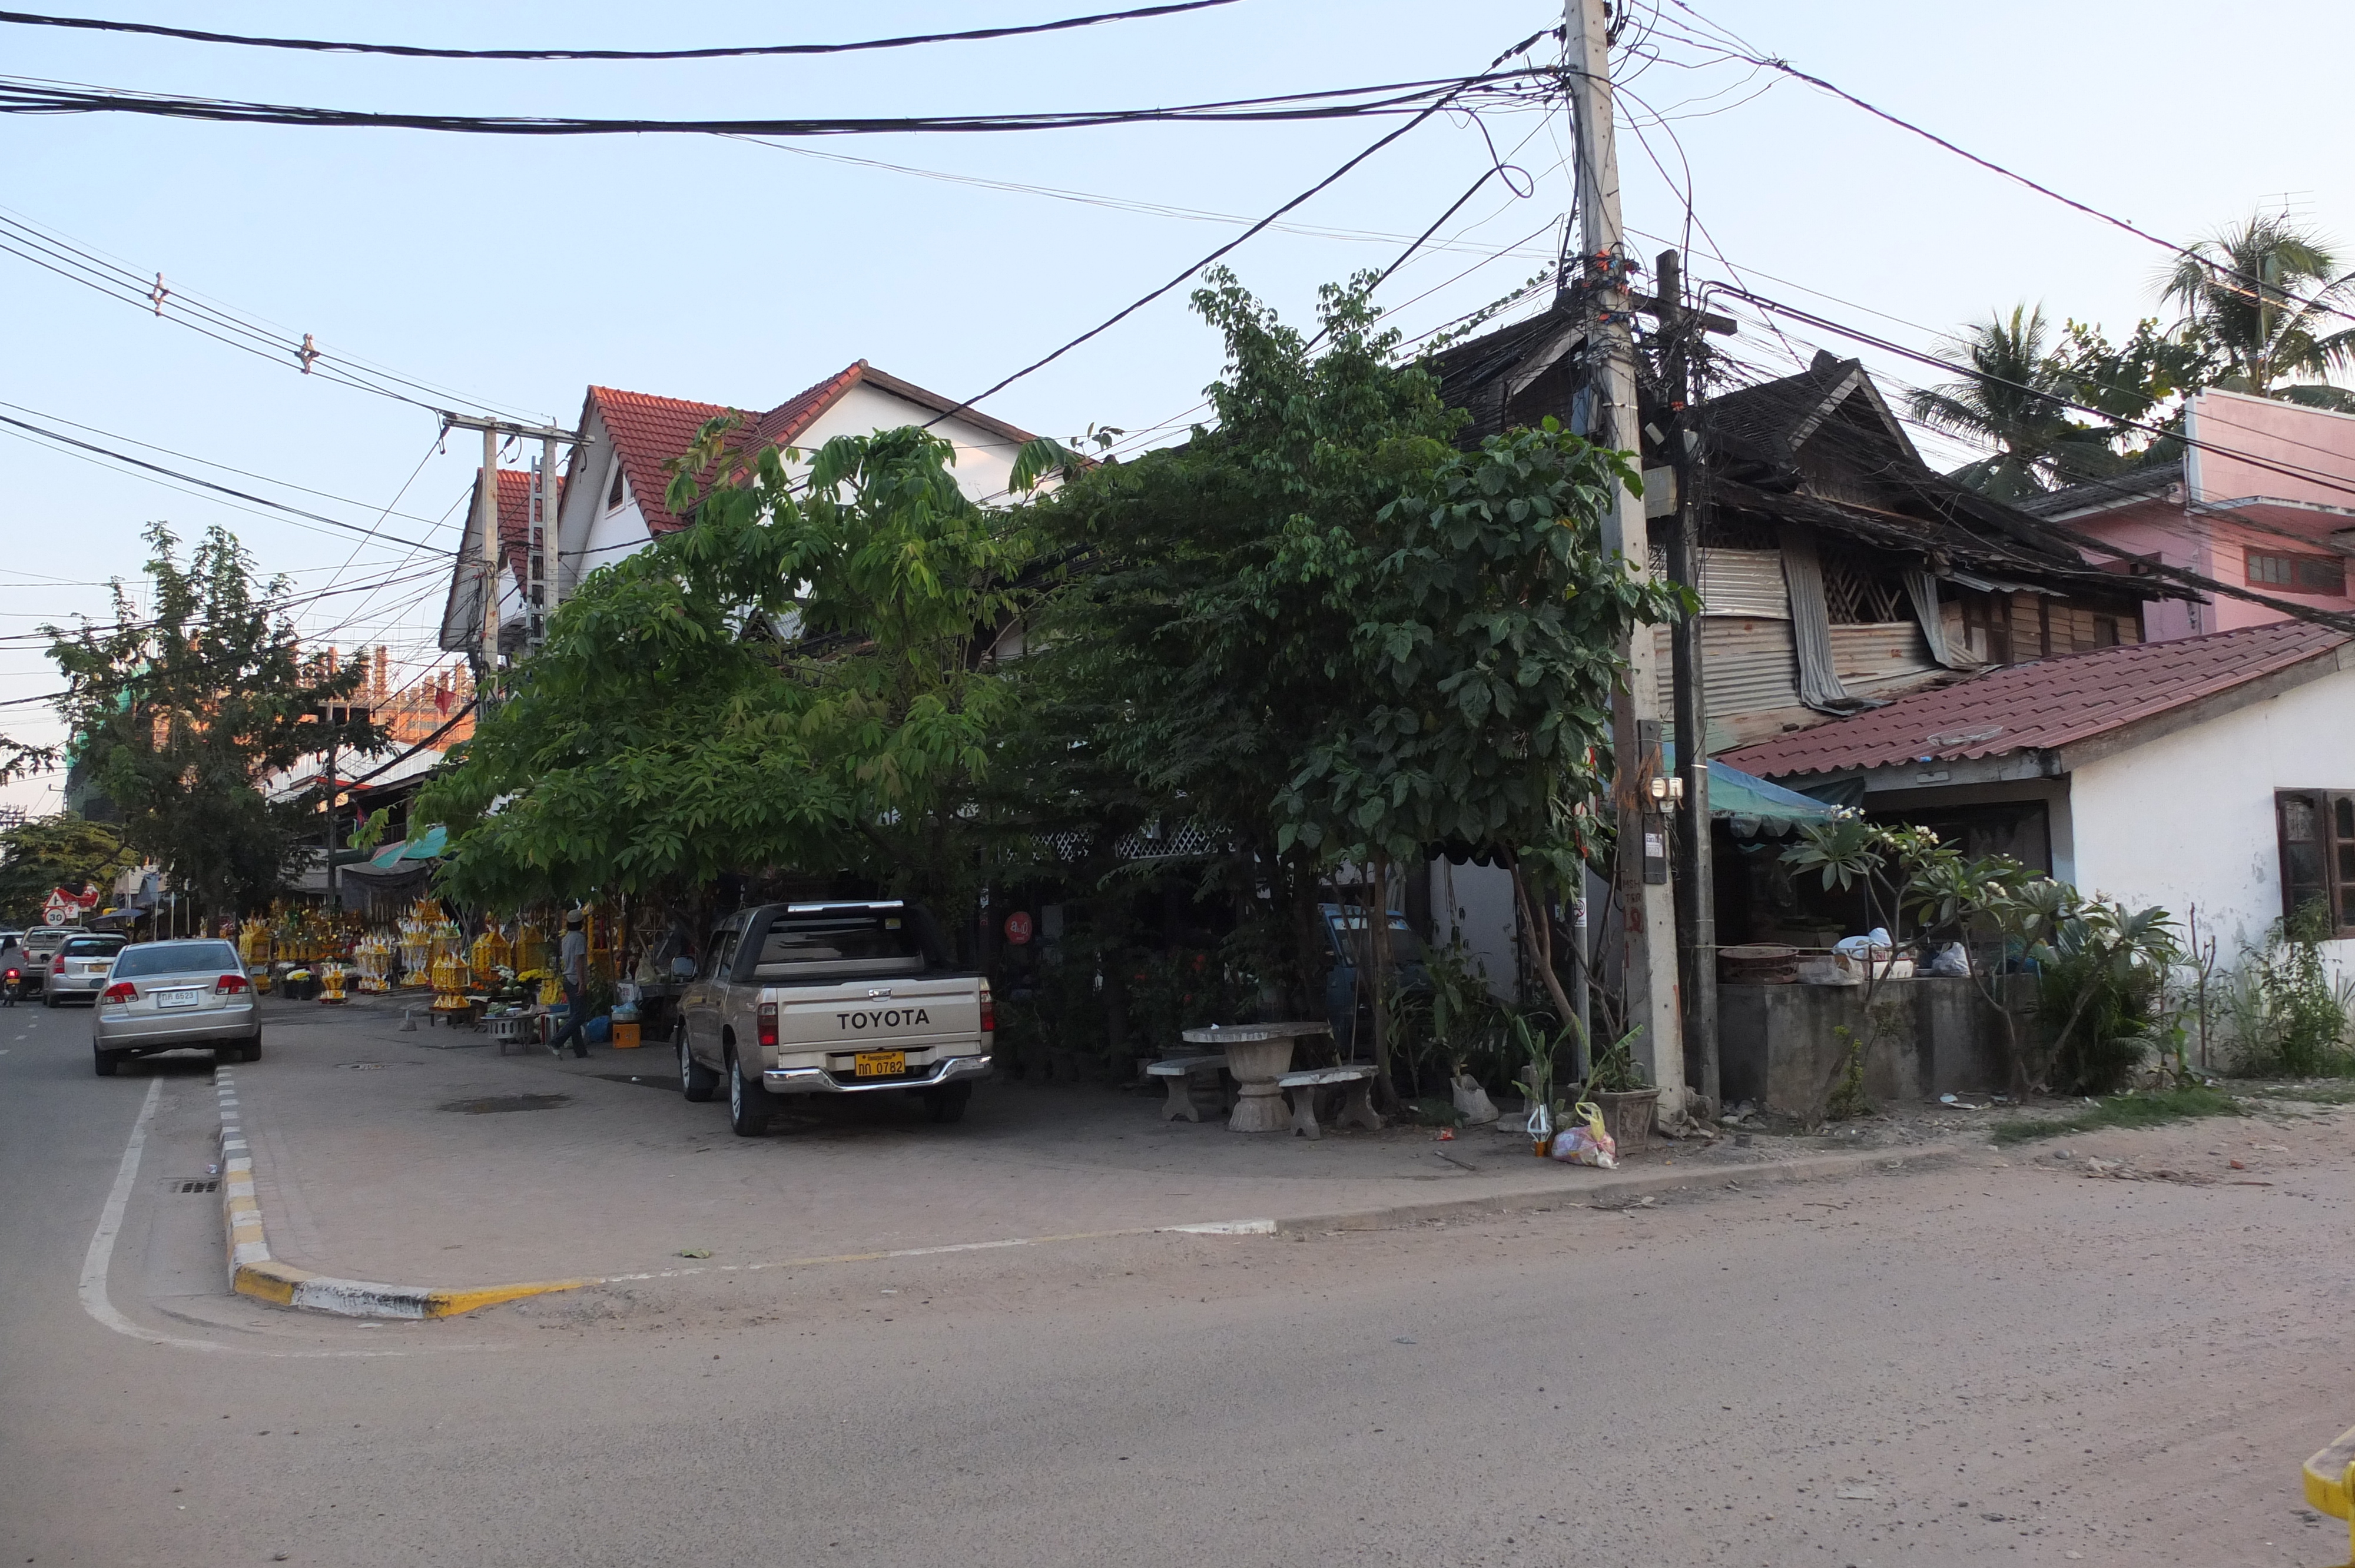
(512, 272)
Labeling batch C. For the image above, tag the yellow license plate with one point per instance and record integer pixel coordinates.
(882, 1064)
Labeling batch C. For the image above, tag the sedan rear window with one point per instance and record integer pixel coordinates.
(176, 959)
(842, 941)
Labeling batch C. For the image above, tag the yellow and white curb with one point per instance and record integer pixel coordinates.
(253, 1272)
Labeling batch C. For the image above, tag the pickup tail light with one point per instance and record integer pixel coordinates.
(230, 985)
(988, 1010)
(768, 1025)
(119, 994)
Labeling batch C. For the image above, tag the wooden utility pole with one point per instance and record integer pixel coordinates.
(1649, 967)
(1695, 882)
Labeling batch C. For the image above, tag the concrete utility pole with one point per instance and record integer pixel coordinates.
(539, 571)
(1648, 933)
(1695, 881)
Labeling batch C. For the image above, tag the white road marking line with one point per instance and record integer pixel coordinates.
(100, 1259)
(1216, 1228)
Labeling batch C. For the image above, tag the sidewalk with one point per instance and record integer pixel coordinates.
(428, 1157)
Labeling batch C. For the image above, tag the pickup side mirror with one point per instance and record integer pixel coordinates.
(683, 967)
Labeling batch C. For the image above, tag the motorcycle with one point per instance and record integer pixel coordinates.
(12, 986)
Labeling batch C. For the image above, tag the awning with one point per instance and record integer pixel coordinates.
(428, 847)
(1751, 806)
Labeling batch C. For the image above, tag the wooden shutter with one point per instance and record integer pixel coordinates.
(2318, 851)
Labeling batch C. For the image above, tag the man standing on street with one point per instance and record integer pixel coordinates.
(572, 970)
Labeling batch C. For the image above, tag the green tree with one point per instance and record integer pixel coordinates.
(2014, 396)
(56, 852)
(181, 714)
(1207, 635)
(2270, 293)
(799, 680)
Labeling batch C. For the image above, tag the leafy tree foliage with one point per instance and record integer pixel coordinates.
(181, 714)
(2270, 294)
(803, 679)
(56, 852)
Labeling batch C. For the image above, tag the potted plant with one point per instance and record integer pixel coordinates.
(1628, 1104)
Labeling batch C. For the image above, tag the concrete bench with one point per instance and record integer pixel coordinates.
(1356, 1101)
(1181, 1072)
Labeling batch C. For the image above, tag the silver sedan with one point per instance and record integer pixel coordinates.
(79, 969)
(172, 996)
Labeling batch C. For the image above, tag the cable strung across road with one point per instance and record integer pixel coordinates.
(414, 52)
(33, 95)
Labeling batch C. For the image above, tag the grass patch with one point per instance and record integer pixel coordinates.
(2151, 1109)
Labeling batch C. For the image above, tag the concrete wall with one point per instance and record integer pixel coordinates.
(985, 460)
(1780, 1047)
(2316, 445)
(1475, 902)
(2189, 818)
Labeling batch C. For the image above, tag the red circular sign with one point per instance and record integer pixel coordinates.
(1017, 929)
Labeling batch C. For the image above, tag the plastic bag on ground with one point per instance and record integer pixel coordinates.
(1585, 1141)
(1472, 1101)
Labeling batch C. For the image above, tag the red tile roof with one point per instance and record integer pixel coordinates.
(515, 515)
(2051, 702)
(649, 432)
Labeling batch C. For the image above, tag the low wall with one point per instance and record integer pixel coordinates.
(1778, 1045)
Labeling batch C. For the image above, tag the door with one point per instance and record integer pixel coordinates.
(700, 1008)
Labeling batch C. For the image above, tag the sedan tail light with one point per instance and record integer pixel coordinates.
(120, 993)
(988, 1010)
(230, 985)
(57, 965)
(768, 1024)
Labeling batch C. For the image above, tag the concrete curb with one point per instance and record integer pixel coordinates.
(253, 1272)
(1608, 1189)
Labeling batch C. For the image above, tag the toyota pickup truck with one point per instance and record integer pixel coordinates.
(831, 999)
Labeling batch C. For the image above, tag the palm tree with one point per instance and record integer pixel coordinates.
(2014, 396)
(2271, 295)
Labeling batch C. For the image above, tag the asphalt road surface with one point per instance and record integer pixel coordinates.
(1988, 1363)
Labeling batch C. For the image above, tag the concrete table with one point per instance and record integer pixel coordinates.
(1257, 1055)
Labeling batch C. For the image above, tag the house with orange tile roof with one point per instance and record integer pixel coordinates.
(611, 494)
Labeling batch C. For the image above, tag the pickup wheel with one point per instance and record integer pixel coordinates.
(946, 1103)
(696, 1081)
(748, 1103)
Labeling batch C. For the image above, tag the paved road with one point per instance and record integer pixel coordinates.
(1986, 1364)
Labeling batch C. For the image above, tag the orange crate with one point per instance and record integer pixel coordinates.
(625, 1037)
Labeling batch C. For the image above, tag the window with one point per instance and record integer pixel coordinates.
(2317, 852)
(2298, 574)
(880, 941)
(614, 496)
(715, 956)
(176, 958)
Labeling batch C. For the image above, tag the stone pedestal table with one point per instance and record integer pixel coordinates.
(1257, 1055)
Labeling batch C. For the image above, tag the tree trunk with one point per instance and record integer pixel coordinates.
(1378, 953)
(1542, 934)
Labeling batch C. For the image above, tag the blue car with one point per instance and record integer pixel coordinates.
(1349, 995)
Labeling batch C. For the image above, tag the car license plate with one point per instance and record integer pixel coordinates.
(882, 1064)
(175, 999)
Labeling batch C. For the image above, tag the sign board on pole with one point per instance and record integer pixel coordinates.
(1017, 929)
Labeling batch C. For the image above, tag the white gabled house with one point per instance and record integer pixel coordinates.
(611, 493)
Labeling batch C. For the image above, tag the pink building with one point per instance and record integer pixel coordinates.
(2265, 498)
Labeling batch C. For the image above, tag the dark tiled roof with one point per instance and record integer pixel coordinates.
(2137, 484)
(2051, 702)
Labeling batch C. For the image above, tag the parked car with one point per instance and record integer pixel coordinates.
(172, 996)
(1348, 994)
(831, 999)
(78, 968)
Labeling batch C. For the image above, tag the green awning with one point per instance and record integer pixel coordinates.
(429, 847)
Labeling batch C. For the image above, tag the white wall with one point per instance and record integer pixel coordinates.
(1475, 902)
(985, 460)
(2190, 819)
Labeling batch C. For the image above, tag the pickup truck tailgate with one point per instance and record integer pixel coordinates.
(865, 1016)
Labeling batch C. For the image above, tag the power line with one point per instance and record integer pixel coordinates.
(32, 95)
(205, 484)
(414, 52)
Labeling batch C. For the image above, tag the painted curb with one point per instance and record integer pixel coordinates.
(253, 1272)
(1605, 1190)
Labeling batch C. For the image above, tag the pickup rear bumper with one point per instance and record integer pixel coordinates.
(818, 1081)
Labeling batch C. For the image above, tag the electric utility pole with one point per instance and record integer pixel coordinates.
(1695, 882)
(540, 573)
(1648, 958)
